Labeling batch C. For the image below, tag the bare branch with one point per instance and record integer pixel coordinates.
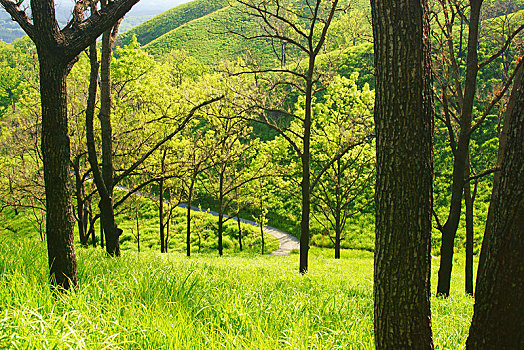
(502, 49)
(19, 16)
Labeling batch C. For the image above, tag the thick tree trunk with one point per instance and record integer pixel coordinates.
(449, 229)
(498, 317)
(56, 158)
(404, 114)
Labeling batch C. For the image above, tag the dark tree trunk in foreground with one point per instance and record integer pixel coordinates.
(404, 114)
(56, 155)
(498, 318)
(449, 229)
(57, 52)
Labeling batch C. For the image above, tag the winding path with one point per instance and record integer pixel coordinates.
(286, 241)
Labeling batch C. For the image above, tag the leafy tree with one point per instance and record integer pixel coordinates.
(458, 93)
(302, 33)
(57, 52)
(343, 119)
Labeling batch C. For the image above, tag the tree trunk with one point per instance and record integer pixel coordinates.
(337, 244)
(161, 215)
(306, 175)
(138, 231)
(167, 232)
(239, 233)
(188, 222)
(498, 317)
(79, 192)
(449, 229)
(91, 232)
(262, 235)
(220, 229)
(102, 240)
(56, 158)
(404, 114)
(106, 207)
(220, 212)
(468, 201)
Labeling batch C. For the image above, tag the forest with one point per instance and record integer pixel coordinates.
(330, 174)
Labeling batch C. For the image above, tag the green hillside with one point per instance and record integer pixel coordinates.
(205, 39)
(169, 20)
(202, 38)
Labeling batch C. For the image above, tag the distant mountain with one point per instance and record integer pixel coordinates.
(141, 12)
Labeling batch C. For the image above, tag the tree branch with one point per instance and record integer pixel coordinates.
(19, 16)
(502, 49)
(164, 140)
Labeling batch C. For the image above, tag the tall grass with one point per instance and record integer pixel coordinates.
(154, 301)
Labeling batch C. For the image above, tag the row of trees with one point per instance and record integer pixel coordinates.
(163, 144)
(404, 116)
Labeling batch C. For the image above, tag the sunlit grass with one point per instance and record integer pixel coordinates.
(151, 301)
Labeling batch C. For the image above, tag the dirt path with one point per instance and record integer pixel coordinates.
(286, 241)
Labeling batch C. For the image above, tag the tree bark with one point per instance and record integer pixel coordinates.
(262, 236)
(449, 229)
(80, 212)
(56, 158)
(188, 222)
(498, 317)
(58, 50)
(239, 233)
(468, 201)
(404, 113)
(106, 205)
(306, 172)
(221, 212)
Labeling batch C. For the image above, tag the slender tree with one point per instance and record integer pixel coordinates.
(302, 34)
(404, 114)
(57, 52)
(458, 97)
(498, 317)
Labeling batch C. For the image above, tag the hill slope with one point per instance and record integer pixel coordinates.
(170, 20)
(204, 37)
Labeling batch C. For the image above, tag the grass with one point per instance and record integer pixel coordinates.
(152, 301)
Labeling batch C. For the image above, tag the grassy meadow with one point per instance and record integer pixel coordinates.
(152, 301)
